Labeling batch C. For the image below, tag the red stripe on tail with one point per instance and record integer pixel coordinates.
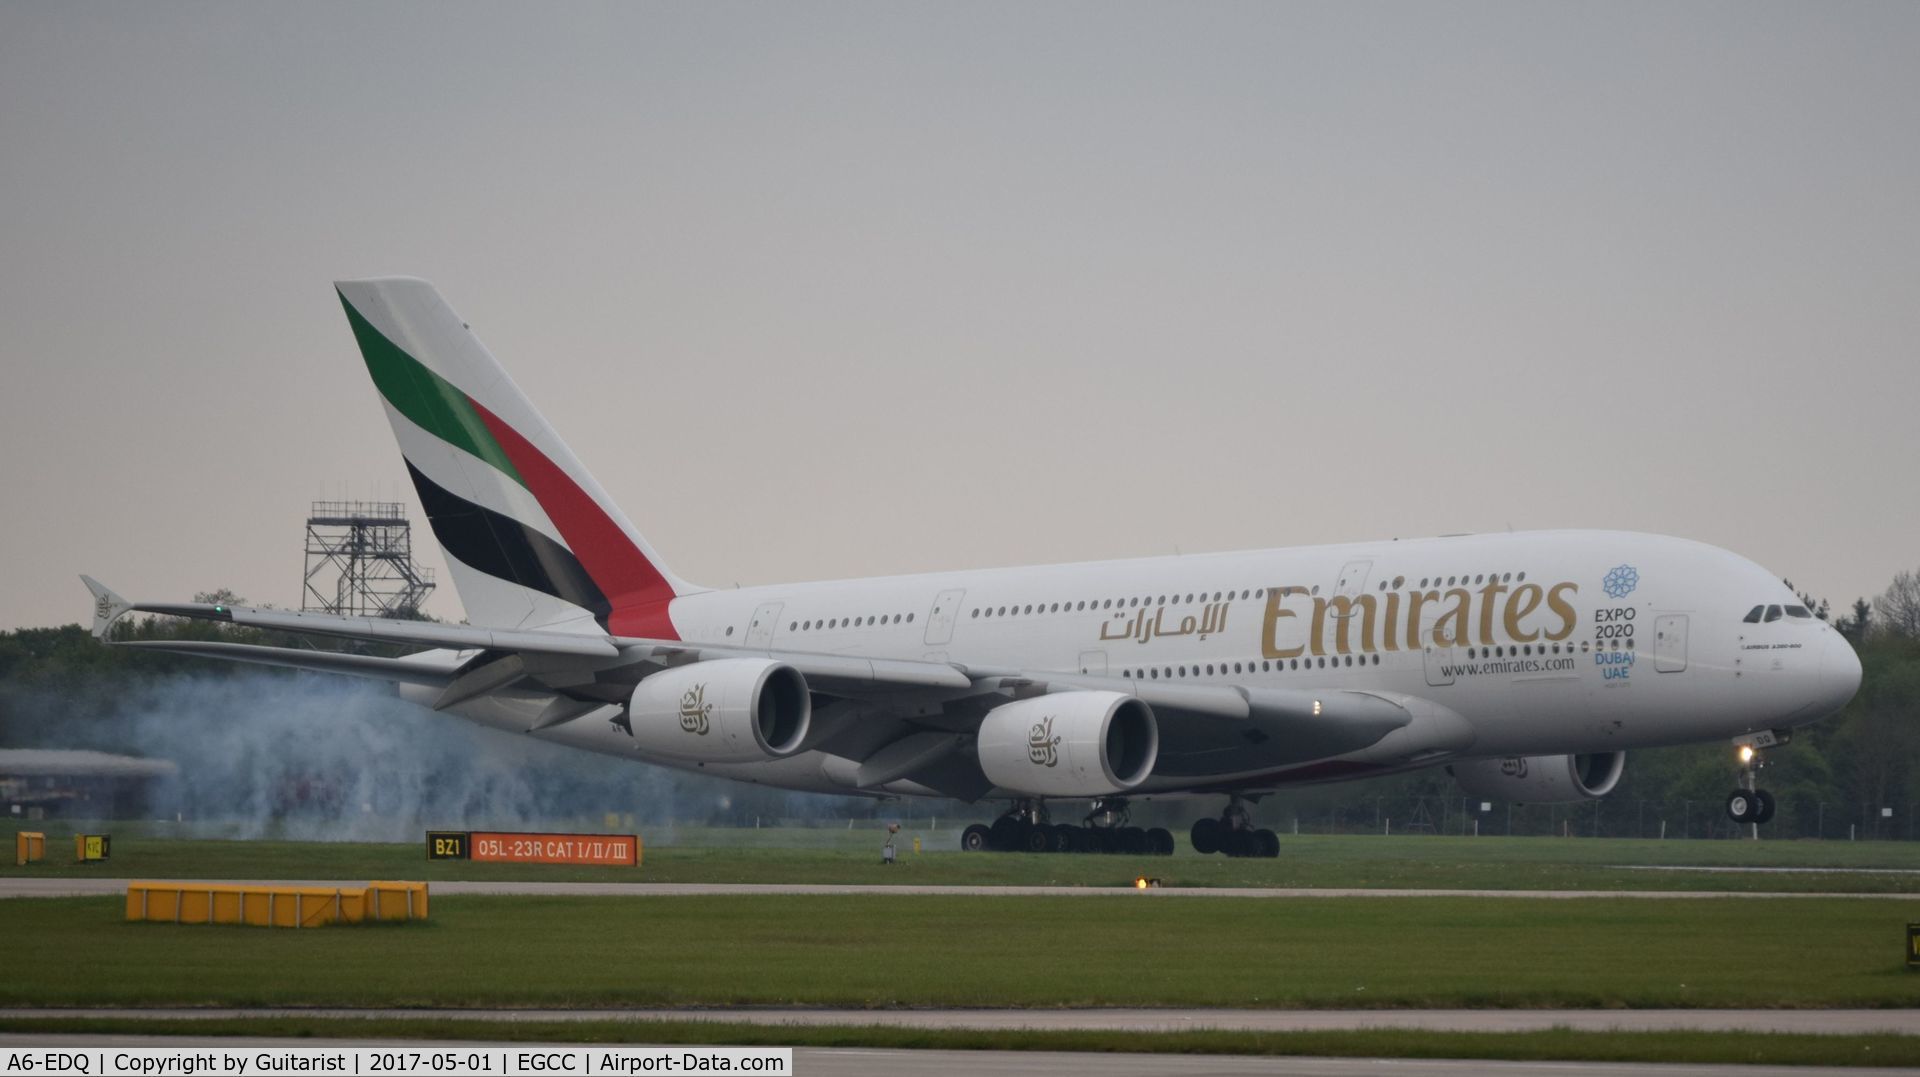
(637, 591)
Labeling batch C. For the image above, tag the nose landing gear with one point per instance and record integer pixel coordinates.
(1748, 804)
(1233, 833)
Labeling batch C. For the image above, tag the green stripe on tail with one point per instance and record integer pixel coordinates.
(429, 400)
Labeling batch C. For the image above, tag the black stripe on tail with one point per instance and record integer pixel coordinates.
(505, 548)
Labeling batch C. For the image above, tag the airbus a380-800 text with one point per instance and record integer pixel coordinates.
(1526, 663)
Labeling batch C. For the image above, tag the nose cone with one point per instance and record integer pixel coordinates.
(1839, 672)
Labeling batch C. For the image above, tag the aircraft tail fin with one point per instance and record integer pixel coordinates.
(530, 538)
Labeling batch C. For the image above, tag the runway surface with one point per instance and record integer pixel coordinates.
(83, 887)
(1135, 1020)
(874, 1062)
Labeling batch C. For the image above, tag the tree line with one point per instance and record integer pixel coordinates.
(1855, 774)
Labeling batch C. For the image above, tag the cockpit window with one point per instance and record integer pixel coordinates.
(1753, 615)
(1798, 611)
(1773, 613)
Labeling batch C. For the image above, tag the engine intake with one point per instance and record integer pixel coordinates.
(1070, 744)
(1541, 779)
(732, 710)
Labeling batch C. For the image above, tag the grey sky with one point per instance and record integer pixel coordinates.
(829, 290)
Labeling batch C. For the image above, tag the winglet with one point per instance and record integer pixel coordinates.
(107, 606)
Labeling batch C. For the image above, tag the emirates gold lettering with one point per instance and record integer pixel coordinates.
(1524, 600)
(1342, 608)
(1487, 595)
(1456, 618)
(1562, 607)
(1276, 612)
(1451, 629)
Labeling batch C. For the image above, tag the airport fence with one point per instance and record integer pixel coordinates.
(1457, 815)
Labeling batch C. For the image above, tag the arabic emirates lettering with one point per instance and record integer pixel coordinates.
(1141, 628)
(1043, 748)
(695, 711)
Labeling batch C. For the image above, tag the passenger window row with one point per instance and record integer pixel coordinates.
(1461, 580)
(1517, 650)
(1398, 582)
(849, 622)
(1017, 610)
(1265, 665)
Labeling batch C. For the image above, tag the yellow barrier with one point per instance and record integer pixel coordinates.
(275, 906)
(29, 846)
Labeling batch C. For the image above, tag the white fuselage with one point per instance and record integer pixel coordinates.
(1544, 642)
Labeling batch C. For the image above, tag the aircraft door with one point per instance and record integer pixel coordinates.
(1093, 663)
(946, 607)
(1439, 665)
(1670, 643)
(760, 629)
(1353, 578)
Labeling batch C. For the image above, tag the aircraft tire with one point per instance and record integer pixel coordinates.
(1160, 841)
(1062, 838)
(1742, 806)
(1035, 839)
(1268, 843)
(976, 838)
(1763, 810)
(1004, 836)
(1205, 835)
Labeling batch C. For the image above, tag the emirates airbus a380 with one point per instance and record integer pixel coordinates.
(1527, 664)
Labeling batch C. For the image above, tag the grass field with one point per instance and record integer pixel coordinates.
(1700, 1048)
(781, 855)
(891, 951)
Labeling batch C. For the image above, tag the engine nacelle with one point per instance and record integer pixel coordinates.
(732, 710)
(1070, 744)
(1541, 779)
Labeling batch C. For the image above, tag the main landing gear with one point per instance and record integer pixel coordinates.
(1234, 833)
(1748, 804)
(1027, 828)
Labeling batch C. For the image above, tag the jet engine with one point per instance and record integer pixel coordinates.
(1541, 779)
(1070, 744)
(732, 710)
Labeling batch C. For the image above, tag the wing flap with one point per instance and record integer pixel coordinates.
(432, 670)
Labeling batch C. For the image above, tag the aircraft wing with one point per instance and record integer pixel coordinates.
(109, 607)
(889, 719)
(433, 668)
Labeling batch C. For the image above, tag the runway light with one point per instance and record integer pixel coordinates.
(1746, 753)
(1142, 882)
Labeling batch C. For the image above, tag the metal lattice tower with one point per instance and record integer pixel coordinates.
(360, 561)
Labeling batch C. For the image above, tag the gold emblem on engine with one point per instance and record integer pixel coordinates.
(1043, 748)
(695, 711)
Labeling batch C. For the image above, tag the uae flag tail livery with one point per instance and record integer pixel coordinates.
(531, 539)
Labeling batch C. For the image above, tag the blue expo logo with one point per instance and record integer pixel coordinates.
(1621, 581)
